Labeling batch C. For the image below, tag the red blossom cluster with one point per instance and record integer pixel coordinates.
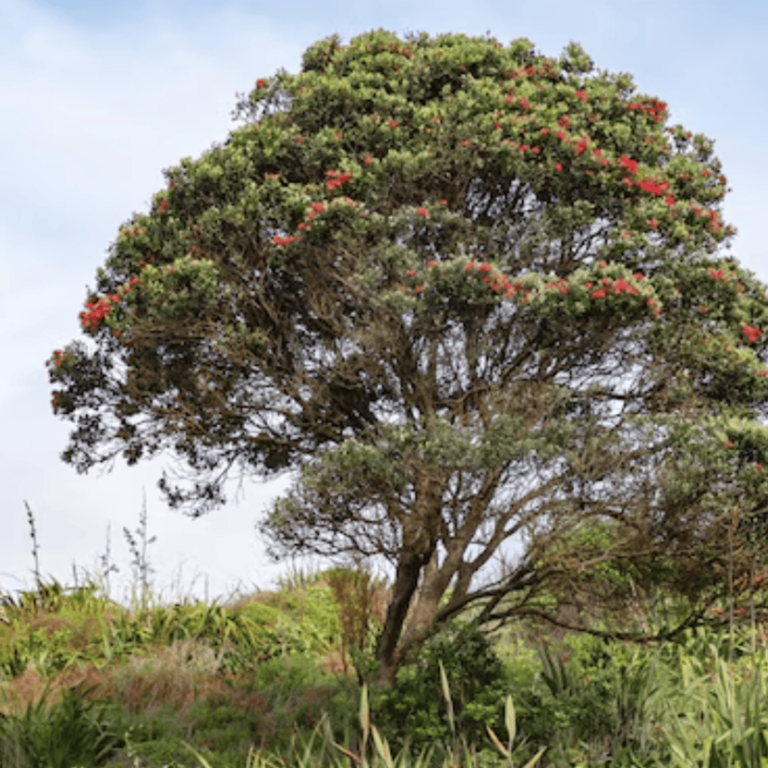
(277, 240)
(98, 310)
(559, 285)
(617, 287)
(336, 178)
(750, 332)
(657, 109)
(653, 187)
(630, 165)
(491, 277)
(58, 357)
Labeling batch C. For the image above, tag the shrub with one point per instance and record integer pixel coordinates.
(415, 710)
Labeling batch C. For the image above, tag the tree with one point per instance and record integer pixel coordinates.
(479, 302)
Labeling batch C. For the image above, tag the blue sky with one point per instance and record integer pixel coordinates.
(98, 97)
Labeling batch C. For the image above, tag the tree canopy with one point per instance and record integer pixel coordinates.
(479, 301)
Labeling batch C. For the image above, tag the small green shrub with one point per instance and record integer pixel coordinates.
(414, 710)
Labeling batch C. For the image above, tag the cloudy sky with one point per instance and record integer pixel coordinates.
(98, 96)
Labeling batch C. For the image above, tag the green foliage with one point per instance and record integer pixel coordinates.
(72, 731)
(414, 711)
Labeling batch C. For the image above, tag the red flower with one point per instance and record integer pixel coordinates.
(367, 160)
(558, 166)
(469, 266)
(762, 372)
(422, 211)
(581, 146)
(277, 240)
(750, 332)
(411, 272)
(261, 82)
(622, 286)
(655, 188)
(392, 123)
(598, 294)
(443, 201)
(728, 444)
(524, 102)
(630, 165)
(669, 200)
(564, 121)
(299, 140)
(653, 223)
(317, 207)
(484, 267)
(418, 289)
(340, 178)
(544, 131)
(581, 95)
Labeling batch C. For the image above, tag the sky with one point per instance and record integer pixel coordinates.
(98, 97)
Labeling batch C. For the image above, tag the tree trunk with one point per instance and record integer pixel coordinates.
(406, 581)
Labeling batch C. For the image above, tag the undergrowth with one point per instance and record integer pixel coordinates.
(273, 679)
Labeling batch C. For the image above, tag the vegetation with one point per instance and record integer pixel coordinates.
(480, 301)
(86, 682)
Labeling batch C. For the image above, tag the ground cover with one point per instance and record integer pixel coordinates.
(268, 679)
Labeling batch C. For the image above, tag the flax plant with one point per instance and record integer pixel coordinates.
(720, 718)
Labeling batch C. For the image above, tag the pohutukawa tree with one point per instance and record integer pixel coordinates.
(476, 300)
